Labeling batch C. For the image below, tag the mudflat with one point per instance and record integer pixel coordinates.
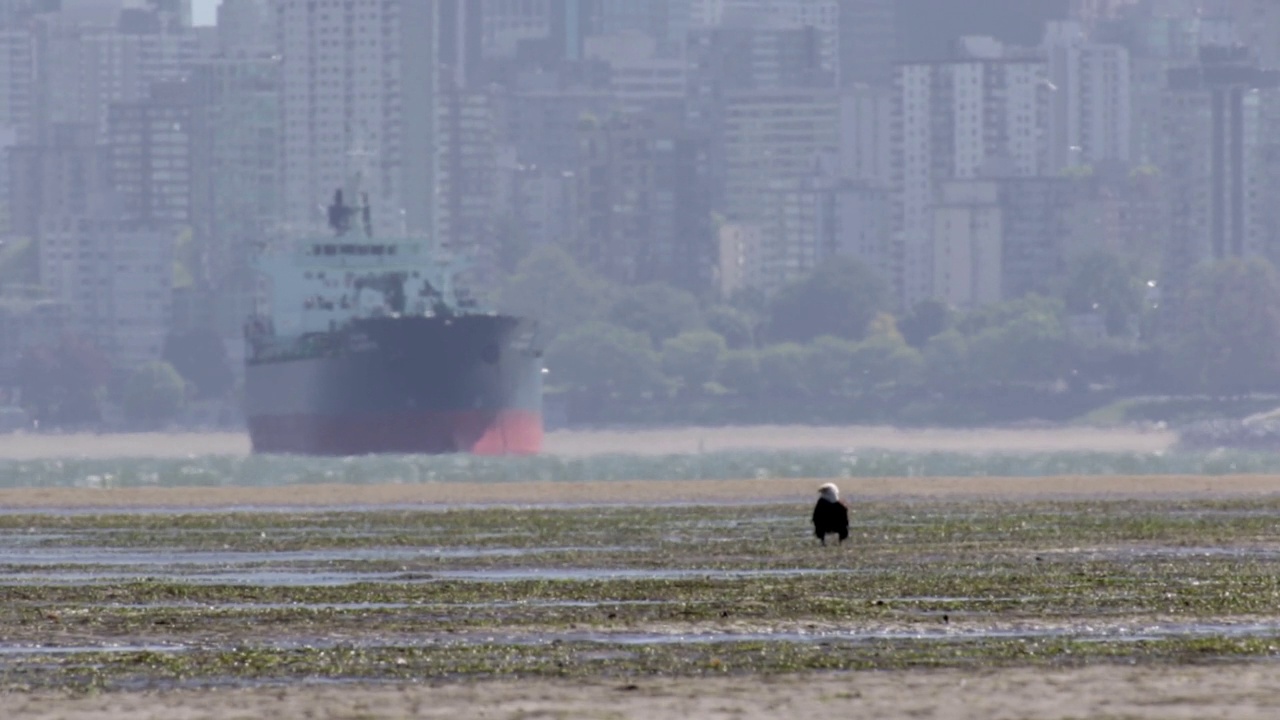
(1170, 681)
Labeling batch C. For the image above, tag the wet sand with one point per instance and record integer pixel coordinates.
(641, 492)
(645, 442)
(1240, 692)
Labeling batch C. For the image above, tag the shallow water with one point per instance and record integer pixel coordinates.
(18, 650)
(150, 559)
(507, 575)
(302, 577)
(1124, 633)
(265, 578)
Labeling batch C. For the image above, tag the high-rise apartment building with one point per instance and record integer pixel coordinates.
(245, 28)
(83, 67)
(66, 175)
(507, 23)
(117, 279)
(984, 114)
(666, 21)
(18, 89)
(1090, 100)
(543, 123)
(640, 79)
(643, 203)
(1222, 118)
(773, 135)
(996, 239)
(235, 177)
(806, 221)
(868, 42)
(343, 67)
(821, 14)
(968, 239)
(749, 57)
(777, 144)
(150, 145)
(866, 135)
(372, 76)
(798, 220)
(467, 172)
(557, 29)
(929, 29)
(1257, 26)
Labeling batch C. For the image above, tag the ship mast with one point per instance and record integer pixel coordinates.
(353, 198)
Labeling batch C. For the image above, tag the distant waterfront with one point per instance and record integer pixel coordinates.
(647, 442)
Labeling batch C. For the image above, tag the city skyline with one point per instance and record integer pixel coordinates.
(720, 149)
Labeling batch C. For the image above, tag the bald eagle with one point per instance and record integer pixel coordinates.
(831, 514)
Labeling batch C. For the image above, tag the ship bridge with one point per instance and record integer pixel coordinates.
(322, 283)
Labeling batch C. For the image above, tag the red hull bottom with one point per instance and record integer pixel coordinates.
(505, 432)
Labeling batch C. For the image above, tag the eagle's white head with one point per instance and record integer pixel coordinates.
(830, 492)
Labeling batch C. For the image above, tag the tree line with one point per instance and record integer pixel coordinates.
(69, 382)
(832, 346)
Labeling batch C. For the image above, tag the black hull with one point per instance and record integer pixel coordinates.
(400, 385)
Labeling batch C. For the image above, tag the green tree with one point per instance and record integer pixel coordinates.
(884, 361)
(784, 371)
(1101, 282)
(1000, 314)
(64, 383)
(832, 366)
(737, 327)
(840, 299)
(1228, 333)
(200, 357)
(655, 309)
(692, 358)
(946, 361)
(549, 286)
(750, 301)
(739, 372)
(1028, 347)
(604, 361)
(925, 320)
(154, 395)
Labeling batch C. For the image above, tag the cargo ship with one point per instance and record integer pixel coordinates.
(362, 345)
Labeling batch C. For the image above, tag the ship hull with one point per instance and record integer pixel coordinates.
(469, 384)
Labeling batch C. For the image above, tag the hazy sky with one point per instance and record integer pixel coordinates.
(203, 12)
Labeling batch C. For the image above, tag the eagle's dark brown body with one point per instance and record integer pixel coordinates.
(830, 515)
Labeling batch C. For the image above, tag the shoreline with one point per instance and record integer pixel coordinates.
(312, 497)
(650, 441)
